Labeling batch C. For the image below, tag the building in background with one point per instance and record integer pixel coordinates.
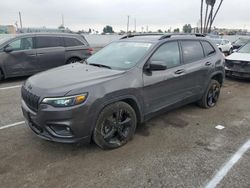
(7, 29)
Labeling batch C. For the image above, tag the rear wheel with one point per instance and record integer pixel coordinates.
(73, 60)
(115, 126)
(211, 96)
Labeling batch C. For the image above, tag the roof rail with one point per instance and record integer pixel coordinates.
(140, 34)
(181, 34)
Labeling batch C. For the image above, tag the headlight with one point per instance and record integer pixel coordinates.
(65, 101)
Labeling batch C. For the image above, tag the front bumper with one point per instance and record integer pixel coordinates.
(231, 72)
(65, 125)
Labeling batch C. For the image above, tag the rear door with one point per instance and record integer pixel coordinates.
(22, 59)
(196, 66)
(50, 51)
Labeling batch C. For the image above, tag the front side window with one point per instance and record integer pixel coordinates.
(192, 51)
(22, 44)
(167, 54)
(48, 42)
(120, 55)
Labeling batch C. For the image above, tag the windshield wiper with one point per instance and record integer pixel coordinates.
(100, 65)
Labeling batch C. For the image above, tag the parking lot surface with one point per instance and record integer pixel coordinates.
(181, 148)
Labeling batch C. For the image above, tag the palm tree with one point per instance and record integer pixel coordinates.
(201, 15)
(209, 17)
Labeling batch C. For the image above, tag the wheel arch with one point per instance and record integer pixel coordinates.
(218, 76)
(73, 57)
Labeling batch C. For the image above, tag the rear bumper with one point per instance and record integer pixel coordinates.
(66, 125)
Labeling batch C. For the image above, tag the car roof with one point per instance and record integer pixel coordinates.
(155, 38)
(46, 34)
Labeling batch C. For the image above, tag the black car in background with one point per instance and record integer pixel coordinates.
(239, 43)
(27, 54)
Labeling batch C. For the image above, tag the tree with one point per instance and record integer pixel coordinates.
(187, 28)
(159, 31)
(108, 29)
(209, 15)
(177, 30)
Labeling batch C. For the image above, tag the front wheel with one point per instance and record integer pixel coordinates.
(115, 126)
(211, 96)
(73, 60)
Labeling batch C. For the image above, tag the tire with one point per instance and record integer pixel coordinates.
(73, 60)
(211, 96)
(115, 126)
(1, 75)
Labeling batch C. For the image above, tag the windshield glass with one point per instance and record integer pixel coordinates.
(120, 55)
(241, 41)
(245, 49)
(4, 38)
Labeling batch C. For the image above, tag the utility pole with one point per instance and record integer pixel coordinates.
(20, 19)
(135, 25)
(128, 25)
(62, 20)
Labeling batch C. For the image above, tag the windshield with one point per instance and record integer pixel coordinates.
(241, 41)
(245, 49)
(120, 55)
(4, 38)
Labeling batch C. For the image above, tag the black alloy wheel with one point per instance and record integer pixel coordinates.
(115, 126)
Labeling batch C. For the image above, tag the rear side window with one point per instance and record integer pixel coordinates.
(168, 54)
(208, 48)
(48, 42)
(192, 51)
(72, 42)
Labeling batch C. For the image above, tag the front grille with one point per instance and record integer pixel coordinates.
(30, 99)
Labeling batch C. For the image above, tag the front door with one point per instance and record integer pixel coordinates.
(166, 87)
(21, 59)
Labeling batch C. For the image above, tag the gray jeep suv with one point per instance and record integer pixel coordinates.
(124, 84)
(27, 54)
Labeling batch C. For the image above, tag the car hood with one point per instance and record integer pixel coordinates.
(61, 80)
(239, 56)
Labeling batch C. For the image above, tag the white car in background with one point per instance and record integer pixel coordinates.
(224, 45)
(238, 63)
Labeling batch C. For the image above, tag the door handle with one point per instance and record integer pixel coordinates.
(208, 63)
(179, 71)
(39, 54)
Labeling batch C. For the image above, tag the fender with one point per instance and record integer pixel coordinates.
(102, 103)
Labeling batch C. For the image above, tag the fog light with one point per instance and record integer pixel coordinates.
(62, 130)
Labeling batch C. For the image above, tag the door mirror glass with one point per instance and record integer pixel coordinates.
(157, 66)
(8, 49)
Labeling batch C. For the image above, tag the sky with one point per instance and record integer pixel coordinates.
(95, 14)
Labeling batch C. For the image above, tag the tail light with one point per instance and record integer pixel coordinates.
(90, 51)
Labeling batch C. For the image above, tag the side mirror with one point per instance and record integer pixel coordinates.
(8, 49)
(235, 50)
(157, 66)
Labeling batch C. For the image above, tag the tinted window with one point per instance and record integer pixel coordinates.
(72, 42)
(208, 48)
(245, 49)
(22, 44)
(47, 42)
(168, 54)
(192, 51)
